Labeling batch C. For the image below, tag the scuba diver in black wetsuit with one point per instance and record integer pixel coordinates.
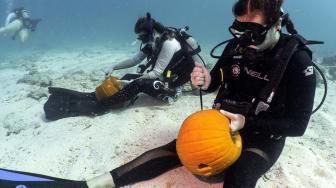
(170, 57)
(19, 23)
(171, 54)
(266, 84)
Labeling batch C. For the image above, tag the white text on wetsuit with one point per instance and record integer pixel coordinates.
(256, 74)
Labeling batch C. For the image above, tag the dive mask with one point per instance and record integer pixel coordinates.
(248, 33)
(144, 37)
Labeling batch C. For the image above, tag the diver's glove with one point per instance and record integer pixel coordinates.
(200, 77)
(237, 121)
(112, 69)
(108, 72)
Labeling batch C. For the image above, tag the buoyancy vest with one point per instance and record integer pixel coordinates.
(268, 78)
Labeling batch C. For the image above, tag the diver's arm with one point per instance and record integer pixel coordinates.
(300, 100)
(215, 74)
(221, 69)
(11, 16)
(130, 62)
(169, 48)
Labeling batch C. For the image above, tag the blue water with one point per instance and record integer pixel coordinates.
(73, 23)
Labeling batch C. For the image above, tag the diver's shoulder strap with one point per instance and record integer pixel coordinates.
(151, 58)
(281, 59)
(305, 41)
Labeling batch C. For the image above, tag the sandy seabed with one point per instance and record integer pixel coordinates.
(83, 147)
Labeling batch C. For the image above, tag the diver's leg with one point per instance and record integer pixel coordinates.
(127, 93)
(67, 103)
(157, 89)
(131, 90)
(148, 165)
(255, 161)
(24, 35)
(152, 87)
(12, 27)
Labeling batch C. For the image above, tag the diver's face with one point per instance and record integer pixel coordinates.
(143, 37)
(256, 26)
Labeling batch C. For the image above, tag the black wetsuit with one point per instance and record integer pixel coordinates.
(263, 135)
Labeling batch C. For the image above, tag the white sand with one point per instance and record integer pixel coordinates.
(82, 147)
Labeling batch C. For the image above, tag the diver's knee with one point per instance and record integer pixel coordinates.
(246, 171)
(143, 83)
(12, 27)
(158, 85)
(258, 153)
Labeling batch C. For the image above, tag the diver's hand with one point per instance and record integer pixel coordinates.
(112, 69)
(237, 121)
(200, 77)
(108, 72)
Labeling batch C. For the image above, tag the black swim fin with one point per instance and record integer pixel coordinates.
(33, 24)
(64, 103)
(16, 179)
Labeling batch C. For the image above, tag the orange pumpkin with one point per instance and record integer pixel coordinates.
(205, 144)
(109, 87)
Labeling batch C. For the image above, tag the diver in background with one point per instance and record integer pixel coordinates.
(163, 50)
(249, 63)
(18, 23)
(171, 56)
